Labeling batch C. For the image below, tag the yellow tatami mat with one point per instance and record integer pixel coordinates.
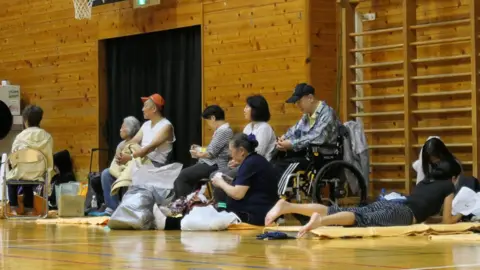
(417, 229)
(79, 221)
(244, 227)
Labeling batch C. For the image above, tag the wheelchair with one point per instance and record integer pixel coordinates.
(326, 171)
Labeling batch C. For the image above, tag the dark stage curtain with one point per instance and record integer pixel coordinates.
(168, 63)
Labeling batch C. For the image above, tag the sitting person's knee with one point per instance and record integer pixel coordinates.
(106, 177)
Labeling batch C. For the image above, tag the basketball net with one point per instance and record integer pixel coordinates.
(83, 9)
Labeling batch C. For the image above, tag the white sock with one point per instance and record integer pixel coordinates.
(160, 218)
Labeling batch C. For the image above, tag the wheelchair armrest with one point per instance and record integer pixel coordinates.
(325, 146)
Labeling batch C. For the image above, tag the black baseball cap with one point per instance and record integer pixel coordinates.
(300, 91)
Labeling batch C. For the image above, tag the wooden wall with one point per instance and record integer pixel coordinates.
(420, 83)
(249, 46)
(323, 55)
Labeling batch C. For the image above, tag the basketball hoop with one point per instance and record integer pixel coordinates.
(83, 9)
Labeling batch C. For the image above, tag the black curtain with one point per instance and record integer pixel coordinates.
(168, 63)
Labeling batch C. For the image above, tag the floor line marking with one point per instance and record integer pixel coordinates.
(72, 262)
(445, 266)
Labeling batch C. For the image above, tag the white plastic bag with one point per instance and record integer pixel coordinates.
(466, 202)
(208, 218)
(149, 175)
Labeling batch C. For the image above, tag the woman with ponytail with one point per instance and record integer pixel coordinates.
(254, 190)
(250, 195)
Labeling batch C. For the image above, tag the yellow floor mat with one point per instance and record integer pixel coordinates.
(417, 229)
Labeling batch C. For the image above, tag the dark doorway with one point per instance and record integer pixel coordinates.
(168, 63)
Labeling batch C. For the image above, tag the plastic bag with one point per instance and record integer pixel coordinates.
(162, 177)
(135, 211)
(207, 218)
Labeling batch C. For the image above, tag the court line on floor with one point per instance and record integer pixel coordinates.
(145, 258)
(76, 238)
(445, 266)
(73, 262)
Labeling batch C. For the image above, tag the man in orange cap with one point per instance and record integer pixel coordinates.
(156, 138)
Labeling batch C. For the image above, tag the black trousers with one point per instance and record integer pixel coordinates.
(27, 195)
(189, 178)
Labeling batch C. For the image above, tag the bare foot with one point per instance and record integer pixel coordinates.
(315, 222)
(276, 211)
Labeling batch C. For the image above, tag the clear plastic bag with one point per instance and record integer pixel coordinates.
(162, 177)
(70, 202)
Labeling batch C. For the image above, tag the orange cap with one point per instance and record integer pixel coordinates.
(156, 98)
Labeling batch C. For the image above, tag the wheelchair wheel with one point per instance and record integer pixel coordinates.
(335, 169)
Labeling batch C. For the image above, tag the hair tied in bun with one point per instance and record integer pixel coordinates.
(252, 140)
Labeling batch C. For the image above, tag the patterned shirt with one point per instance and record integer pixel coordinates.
(323, 131)
(218, 147)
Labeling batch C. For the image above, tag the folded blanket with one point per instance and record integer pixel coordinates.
(458, 237)
(83, 220)
(243, 227)
(417, 229)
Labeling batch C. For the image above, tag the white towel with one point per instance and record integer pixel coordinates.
(466, 202)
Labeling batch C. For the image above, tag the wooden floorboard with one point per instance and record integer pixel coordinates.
(25, 245)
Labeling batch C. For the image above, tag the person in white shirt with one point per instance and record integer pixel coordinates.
(258, 113)
(156, 138)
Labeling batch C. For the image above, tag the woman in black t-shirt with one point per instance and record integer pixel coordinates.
(425, 201)
(252, 193)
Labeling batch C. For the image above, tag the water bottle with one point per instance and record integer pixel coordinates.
(94, 202)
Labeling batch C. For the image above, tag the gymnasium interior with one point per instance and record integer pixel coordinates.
(403, 71)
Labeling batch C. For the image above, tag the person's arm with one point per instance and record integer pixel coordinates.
(219, 141)
(137, 138)
(236, 192)
(161, 137)
(120, 147)
(323, 130)
(242, 182)
(290, 134)
(447, 217)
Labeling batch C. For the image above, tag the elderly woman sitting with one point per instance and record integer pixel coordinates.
(129, 128)
(251, 194)
(32, 137)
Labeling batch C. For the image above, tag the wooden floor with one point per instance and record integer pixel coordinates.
(25, 245)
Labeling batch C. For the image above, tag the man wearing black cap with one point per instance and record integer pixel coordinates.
(319, 125)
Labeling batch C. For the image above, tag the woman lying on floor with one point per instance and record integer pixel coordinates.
(425, 201)
(252, 193)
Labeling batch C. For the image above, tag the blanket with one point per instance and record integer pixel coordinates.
(417, 229)
(80, 221)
